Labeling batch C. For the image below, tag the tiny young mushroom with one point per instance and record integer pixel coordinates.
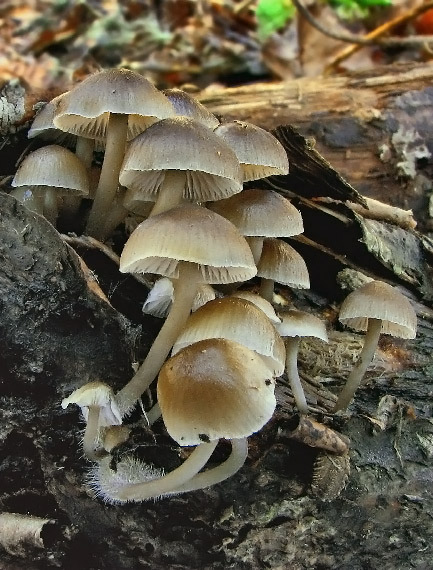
(50, 172)
(210, 390)
(186, 105)
(376, 308)
(99, 409)
(191, 245)
(295, 325)
(113, 105)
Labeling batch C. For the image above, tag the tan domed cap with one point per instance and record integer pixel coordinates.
(186, 105)
(215, 389)
(378, 300)
(259, 302)
(283, 264)
(55, 167)
(180, 143)
(238, 320)
(85, 110)
(300, 323)
(259, 152)
(261, 213)
(189, 233)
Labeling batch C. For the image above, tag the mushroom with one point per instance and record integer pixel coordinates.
(294, 325)
(376, 308)
(113, 105)
(206, 169)
(258, 214)
(210, 390)
(191, 245)
(50, 172)
(186, 105)
(99, 409)
(261, 303)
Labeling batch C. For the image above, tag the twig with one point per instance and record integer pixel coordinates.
(369, 39)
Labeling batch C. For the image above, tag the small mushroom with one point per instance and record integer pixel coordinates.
(376, 308)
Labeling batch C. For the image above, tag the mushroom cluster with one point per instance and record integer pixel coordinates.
(199, 228)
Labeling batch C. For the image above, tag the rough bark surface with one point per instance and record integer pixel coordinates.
(283, 509)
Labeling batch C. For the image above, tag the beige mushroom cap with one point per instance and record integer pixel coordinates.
(55, 167)
(96, 394)
(180, 143)
(261, 213)
(283, 264)
(259, 302)
(238, 320)
(259, 152)
(189, 233)
(85, 110)
(186, 105)
(215, 389)
(300, 323)
(378, 300)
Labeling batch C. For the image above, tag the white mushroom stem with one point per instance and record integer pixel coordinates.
(109, 179)
(91, 433)
(185, 290)
(176, 478)
(217, 474)
(84, 150)
(256, 246)
(355, 377)
(267, 289)
(292, 348)
(171, 191)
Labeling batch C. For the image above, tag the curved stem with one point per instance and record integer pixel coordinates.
(256, 246)
(267, 289)
(355, 377)
(91, 434)
(176, 478)
(171, 191)
(185, 289)
(292, 347)
(109, 180)
(217, 474)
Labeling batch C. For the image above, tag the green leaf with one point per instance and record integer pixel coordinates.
(272, 15)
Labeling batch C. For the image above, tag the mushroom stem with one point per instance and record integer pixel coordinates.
(355, 377)
(171, 191)
(91, 433)
(176, 478)
(84, 150)
(185, 289)
(267, 289)
(256, 246)
(117, 129)
(292, 347)
(217, 474)
(51, 210)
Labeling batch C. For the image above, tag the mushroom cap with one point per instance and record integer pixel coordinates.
(238, 320)
(189, 233)
(378, 300)
(215, 389)
(213, 171)
(283, 264)
(259, 152)
(96, 394)
(300, 323)
(186, 105)
(85, 110)
(261, 213)
(259, 302)
(53, 166)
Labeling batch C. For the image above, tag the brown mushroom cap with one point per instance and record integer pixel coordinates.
(378, 300)
(300, 323)
(55, 167)
(261, 213)
(215, 389)
(189, 233)
(259, 152)
(238, 320)
(85, 110)
(186, 105)
(259, 302)
(283, 264)
(181, 144)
